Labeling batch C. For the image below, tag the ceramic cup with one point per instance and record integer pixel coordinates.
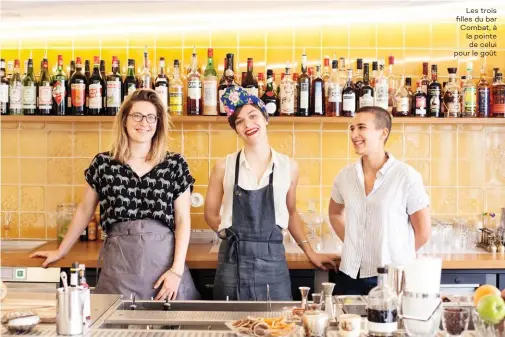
(349, 325)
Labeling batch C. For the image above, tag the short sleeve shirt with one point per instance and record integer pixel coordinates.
(125, 196)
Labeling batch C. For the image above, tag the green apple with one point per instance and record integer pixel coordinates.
(491, 308)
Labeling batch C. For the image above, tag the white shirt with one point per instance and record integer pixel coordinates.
(378, 231)
(248, 181)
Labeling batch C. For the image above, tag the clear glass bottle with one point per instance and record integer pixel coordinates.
(358, 77)
(452, 96)
(194, 95)
(342, 71)
(304, 83)
(401, 107)
(145, 78)
(498, 97)
(381, 89)
(16, 91)
(326, 78)
(287, 94)
(176, 92)
(425, 81)
(382, 307)
(392, 84)
(334, 106)
(483, 94)
(210, 86)
(469, 94)
(29, 90)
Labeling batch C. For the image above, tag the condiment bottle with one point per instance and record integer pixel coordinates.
(92, 229)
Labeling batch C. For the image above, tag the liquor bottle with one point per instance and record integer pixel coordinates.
(495, 72)
(250, 84)
(72, 68)
(270, 96)
(210, 86)
(161, 84)
(462, 82)
(95, 90)
(317, 98)
(310, 72)
(242, 78)
(498, 97)
(223, 76)
(366, 90)
(392, 84)
(229, 80)
(130, 83)
(78, 90)
(26, 68)
(483, 94)
(381, 89)
(29, 91)
(358, 78)
(45, 99)
(295, 91)
(274, 83)
(261, 84)
(16, 91)
(326, 79)
(382, 307)
(194, 101)
(452, 96)
(176, 92)
(469, 94)
(334, 106)
(408, 86)
(10, 69)
(425, 82)
(4, 90)
(102, 69)
(304, 89)
(434, 95)
(60, 89)
(420, 100)
(349, 96)
(87, 70)
(83, 284)
(375, 71)
(401, 107)
(287, 94)
(342, 72)
(69, 89)
(145, 79)
(114, 89)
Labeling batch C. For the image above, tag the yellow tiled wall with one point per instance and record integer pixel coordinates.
(463, 166)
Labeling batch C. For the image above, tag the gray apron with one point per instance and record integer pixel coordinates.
(135, 254)
(252, 255)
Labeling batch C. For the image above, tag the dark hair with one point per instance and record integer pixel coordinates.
(233, 118)
(382, 117)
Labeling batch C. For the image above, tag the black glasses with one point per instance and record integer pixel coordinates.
(138, 117)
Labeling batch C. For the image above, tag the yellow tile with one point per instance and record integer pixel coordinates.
(326, 192)
(307, 144)
(306, 195)
(9, 143)
(220, 55)
(137, 53)
(471, 145)
(173, 40)
(340, 126)
(367, 54)
(417, 144)
(258, 56)
(86, 143)
(331, 168)
(33, 225)
(142, 40)
(196, 144)
(417, 35)
(395, 144)
(105, 140)
(278, 58)
(277, 124)
(10, 170)
(443, 172)
(33, 143)
(175, 141)
(79, 191)
(222, 143)
(10, 198)
(282, 142)
(251, 38)
(52, 56)
(32, 198)
(198, 39)
(423, 167)
(495, 197)
(222, 38)
(443, 59)
(335, 36)
(495, 171)
(196, 126)
(443, 200)
(59, 171)
(12, 231)
(444, 145)
(203, 191)
(335, 144)
(55, 126)
(56, 195)
(307, 126)
(413, 63)
(59, 144)
(280, 37)
(495, 141)
(199, 169)
(117, 41)
(198, 221)
(309, 172)
(363, 36)
(187, 57)
(444, 35)
(390, 35)
(307, 38)
(33, 171)
(9, 125)
(176, 126)
(470, 200)
(80, 164)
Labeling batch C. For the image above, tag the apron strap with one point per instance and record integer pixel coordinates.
(237, 168)
(271, 178)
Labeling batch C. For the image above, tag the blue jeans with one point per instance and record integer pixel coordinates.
(346, 285)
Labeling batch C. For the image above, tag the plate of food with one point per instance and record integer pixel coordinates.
(263, 327)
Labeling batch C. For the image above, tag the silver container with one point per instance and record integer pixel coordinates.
(69, 311)
(315, 323)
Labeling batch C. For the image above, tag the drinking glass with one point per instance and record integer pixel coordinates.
(6, 224)
(455, 320)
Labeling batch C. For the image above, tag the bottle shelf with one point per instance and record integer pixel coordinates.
(224, 120)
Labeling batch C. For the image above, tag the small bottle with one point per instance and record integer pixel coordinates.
(270, 96)
(420, 100)
(498, 97)
(483, 94)
(92, 229)
(401, 107)
(176, 93)
(74, 274)
(317, 107)
(452, 96)
(84, 234)
(261, 84)
(349, 96)
(287, 94)
(334, 106)
(382, 307)
(83, 284)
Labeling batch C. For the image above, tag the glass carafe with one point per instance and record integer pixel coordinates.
(64, 214)
(382, 307)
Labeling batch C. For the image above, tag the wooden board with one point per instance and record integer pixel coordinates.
(46, 309)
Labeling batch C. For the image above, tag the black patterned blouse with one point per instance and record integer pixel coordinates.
(125, 196)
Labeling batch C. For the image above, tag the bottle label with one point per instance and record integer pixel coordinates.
(287, 98)
(15, 95)
(420, 106)
(483, 101)
(349, 102)
(78, 94)
(209, 95)
(162, 94)
(221, 105)
(195, 89)
(176, 101)
(113, 94)
(45, 97)
(434, 100)
(130, 89)
(30, 97)
(381, 95)
(318, 98)
(470, 99)
(334, 93)
(252, 91)
(4, 92)
(424, 88)
(304, 96)
(452, 103)
(59, 92)
(402, 105)
(366, 100)
(95, 96)
(271, 107)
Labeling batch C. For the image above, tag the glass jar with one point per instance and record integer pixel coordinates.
(382, 307)
(64, 214)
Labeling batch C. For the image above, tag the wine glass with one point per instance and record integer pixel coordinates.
(7, 224)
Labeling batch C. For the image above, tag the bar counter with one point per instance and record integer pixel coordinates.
(200, 257)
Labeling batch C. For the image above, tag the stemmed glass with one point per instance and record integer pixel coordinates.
(6, 224)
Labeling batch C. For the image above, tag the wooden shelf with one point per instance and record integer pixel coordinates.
(221, 119)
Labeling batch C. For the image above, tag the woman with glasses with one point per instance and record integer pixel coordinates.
(144, 196)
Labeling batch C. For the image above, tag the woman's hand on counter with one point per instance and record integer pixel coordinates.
(320, 260)
(50, 256)
(170, 282)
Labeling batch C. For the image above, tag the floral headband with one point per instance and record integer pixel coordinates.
(236, 96)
